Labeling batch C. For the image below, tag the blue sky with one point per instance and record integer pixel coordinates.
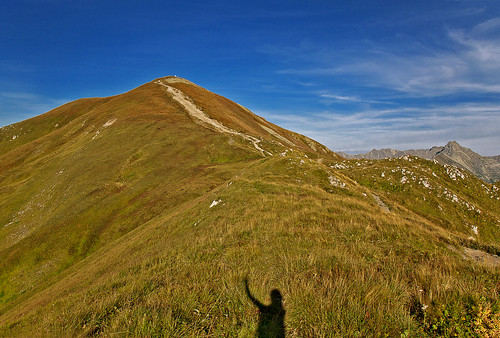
(354, 75)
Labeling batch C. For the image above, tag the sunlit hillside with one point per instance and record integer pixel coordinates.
(143, 214)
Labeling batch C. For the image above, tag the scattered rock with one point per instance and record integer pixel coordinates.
(215, 202)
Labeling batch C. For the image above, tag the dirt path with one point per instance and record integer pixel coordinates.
(198, 114)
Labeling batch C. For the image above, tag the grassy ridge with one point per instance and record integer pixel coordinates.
(447, 196)
(343, 266)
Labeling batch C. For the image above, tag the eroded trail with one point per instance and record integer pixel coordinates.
(198, 114)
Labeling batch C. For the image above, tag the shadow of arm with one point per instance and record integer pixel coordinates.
(252, 298)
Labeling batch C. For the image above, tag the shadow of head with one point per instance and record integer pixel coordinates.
(276, 298)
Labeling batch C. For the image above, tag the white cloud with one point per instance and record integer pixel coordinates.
(472, 125)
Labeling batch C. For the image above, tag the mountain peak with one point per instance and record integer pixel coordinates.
(454, 145)
(454, 149)
(486, 168)
(173, 79)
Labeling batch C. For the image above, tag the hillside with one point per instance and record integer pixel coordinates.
(143, 213)
(486, 168)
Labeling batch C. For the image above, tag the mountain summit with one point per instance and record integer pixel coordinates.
(156, 211)
(486, 168)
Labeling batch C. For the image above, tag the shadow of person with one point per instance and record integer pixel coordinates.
(271, 317)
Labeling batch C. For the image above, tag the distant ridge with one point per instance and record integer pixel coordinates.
(486, 168)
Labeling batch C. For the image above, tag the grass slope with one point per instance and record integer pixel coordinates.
(103, 171)
(129, 240)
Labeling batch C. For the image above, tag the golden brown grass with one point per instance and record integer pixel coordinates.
(130, 246)
(344, 268)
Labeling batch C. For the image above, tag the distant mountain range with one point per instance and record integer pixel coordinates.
(486, 168)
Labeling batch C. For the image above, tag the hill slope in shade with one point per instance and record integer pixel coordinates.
(143, 213)
(485, 167)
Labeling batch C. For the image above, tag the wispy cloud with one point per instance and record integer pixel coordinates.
(491, 25)
(355, 99)
(439, 89)
(472, 125)
(341, 98)
(470, 65)
(18, 106)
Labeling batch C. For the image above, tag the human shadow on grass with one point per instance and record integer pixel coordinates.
(271, 317)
